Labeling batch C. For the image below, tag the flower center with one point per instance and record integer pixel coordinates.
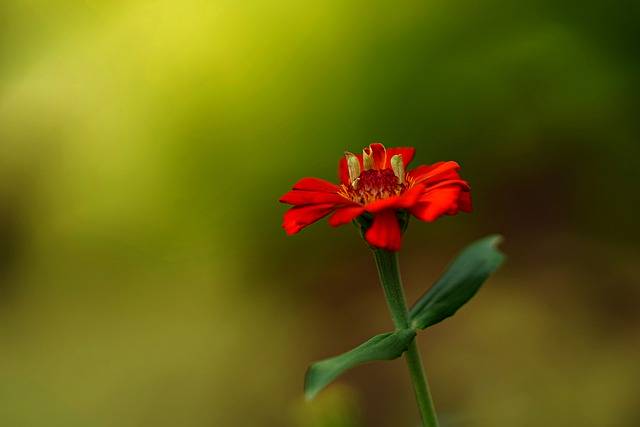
(380, 179)
(374, 185)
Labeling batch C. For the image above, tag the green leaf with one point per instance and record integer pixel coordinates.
(381, 347)
(459, 283)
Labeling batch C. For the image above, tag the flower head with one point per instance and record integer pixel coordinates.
(374, 185)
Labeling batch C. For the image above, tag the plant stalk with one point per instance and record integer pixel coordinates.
(389, 273)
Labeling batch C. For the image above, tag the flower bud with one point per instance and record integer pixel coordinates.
(353, 164)
(398, 167)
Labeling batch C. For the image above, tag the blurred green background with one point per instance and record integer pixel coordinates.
(144, 276)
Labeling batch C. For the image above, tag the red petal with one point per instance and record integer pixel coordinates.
(385, 231)
(298, 217)
(297, 197)
(313, 191)
(316, 184)
(383, 204)
(345, 215)
(435, 172)
(440, 201)
(406, 152)
(411, 196)
(403, 201)
(379, 154)
(343, 169)
(459, 182)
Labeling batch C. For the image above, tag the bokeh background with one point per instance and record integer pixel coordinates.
(144, 276)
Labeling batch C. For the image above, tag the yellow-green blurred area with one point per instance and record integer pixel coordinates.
(144, 276)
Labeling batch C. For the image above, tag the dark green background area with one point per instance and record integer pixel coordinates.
(144, 276)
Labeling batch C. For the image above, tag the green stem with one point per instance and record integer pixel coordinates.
(389, 272)
(420, 386)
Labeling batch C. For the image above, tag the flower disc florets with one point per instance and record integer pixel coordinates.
(374, 185)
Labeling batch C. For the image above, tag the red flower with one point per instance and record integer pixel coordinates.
(375, 183)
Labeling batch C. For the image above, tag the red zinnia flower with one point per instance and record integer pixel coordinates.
(375, 183)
